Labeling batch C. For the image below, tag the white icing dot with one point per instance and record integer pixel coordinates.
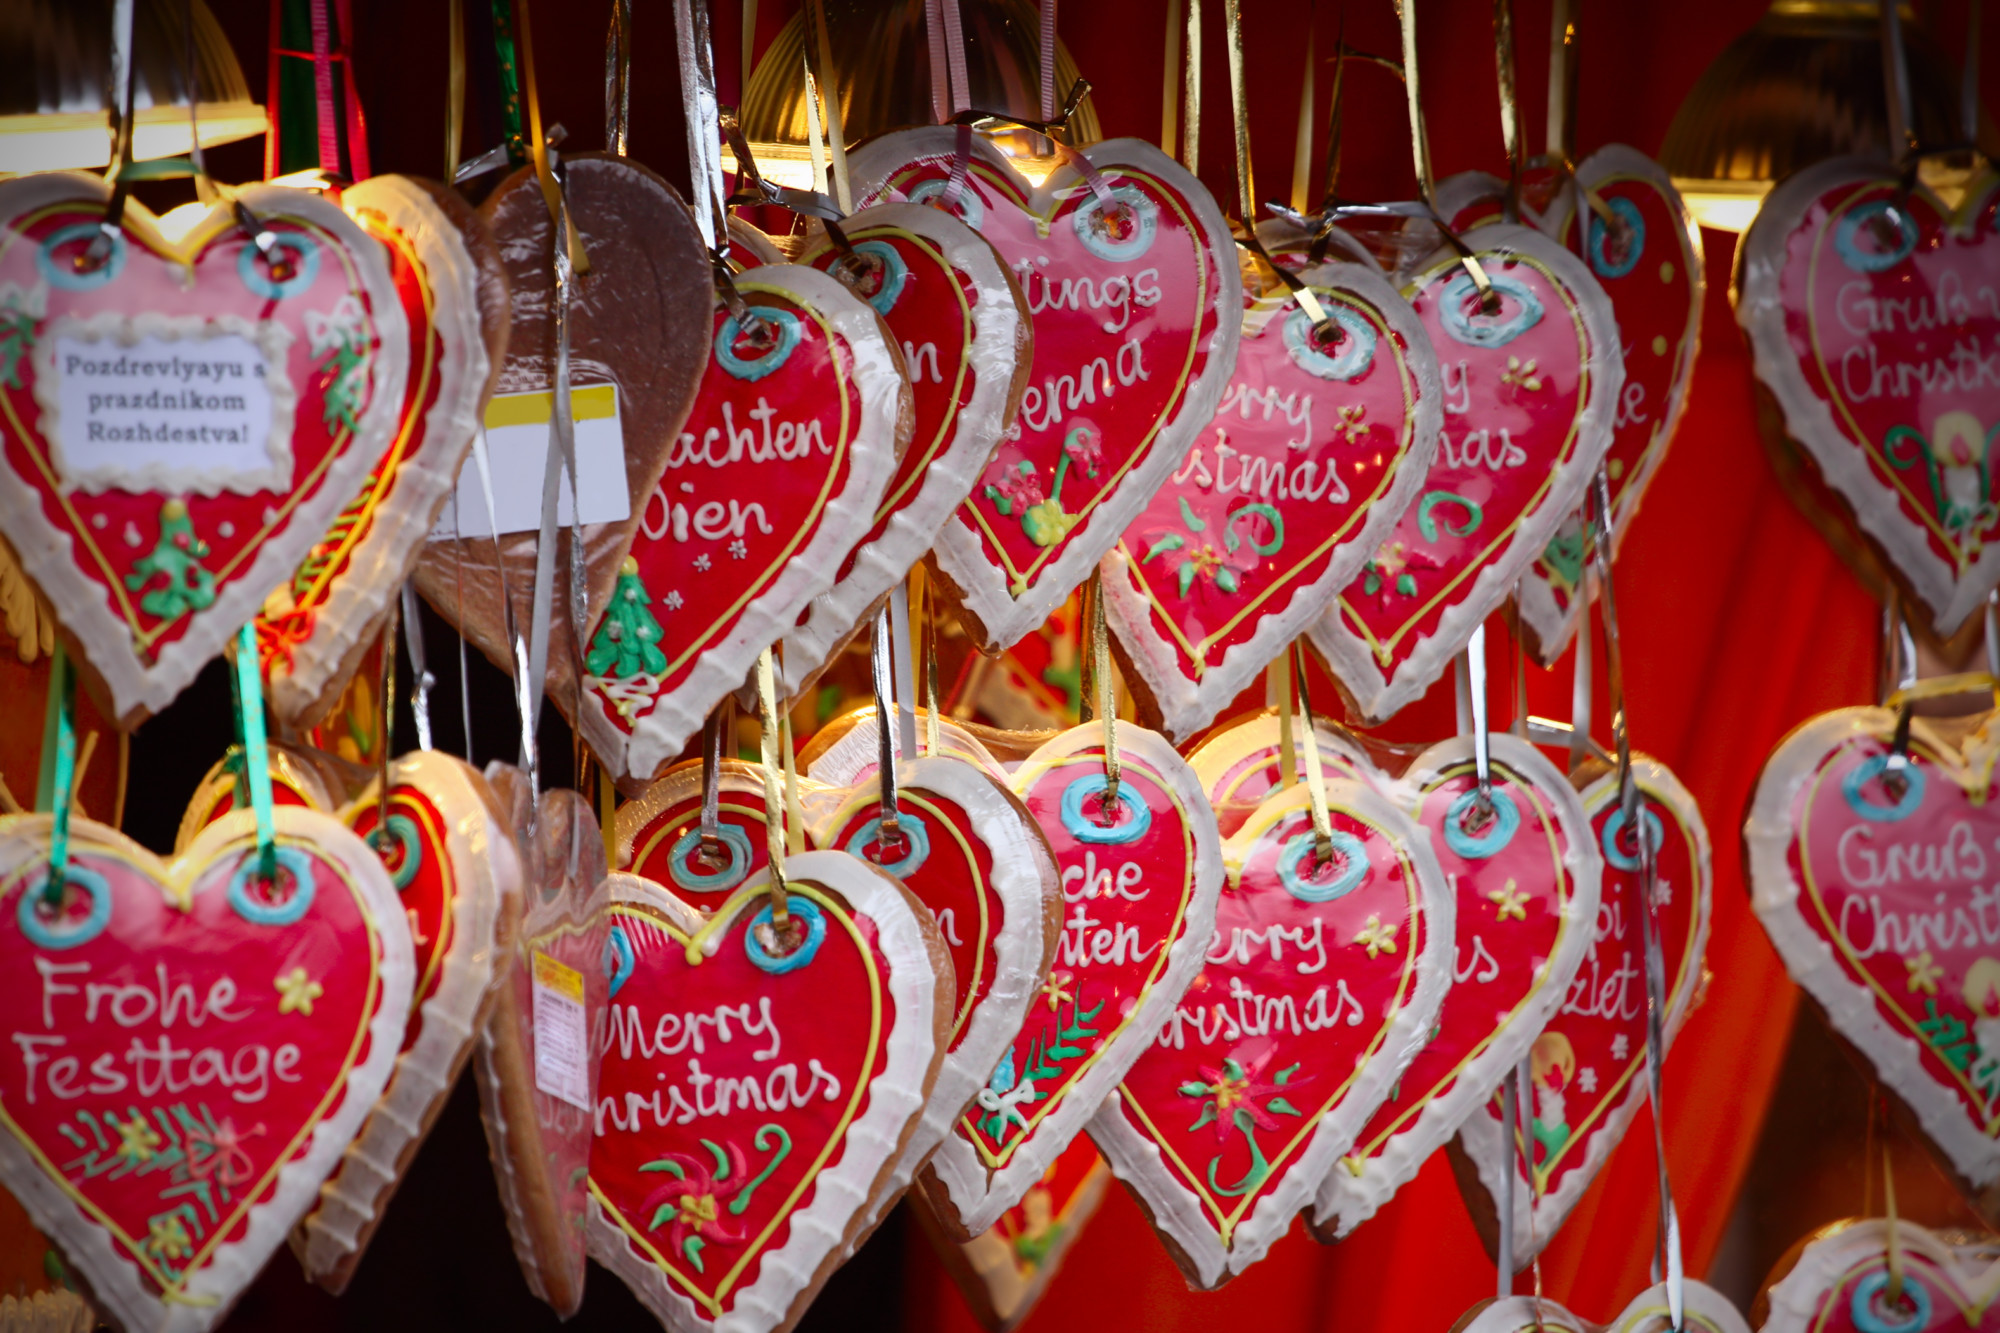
(99, 521)
(131, 533)
(225, 529)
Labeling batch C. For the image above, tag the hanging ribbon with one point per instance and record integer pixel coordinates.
(1302, 132)
(560, 449)
(1170, 82)
(1560, 138)
(823, 73)
(1048, 60)
(1420, 149)
(618, 79)
(323, 98)
(385, 739)
(507, 57)
(454, 88)
(882, 668)
(1278, 693)
(905, 671)
(1322, 823)
(530, 758)
(1246, 190)
(1510, 107)
(702, 112)
(421, 679)
(256, 748)
(748, 46)
(538, 151)
(1191, 93)
(774, 803)
(1472, 666)
(713, 852)
(59, 772)
(1106, 693)
(1968, 110)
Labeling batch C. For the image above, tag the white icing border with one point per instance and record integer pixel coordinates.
(1002, 619)
(1377, 698)
(116, 1283)
(1136, 1158)
(1705, 1310)
(1188, 705)
(1797, 1300)
(1345, 1200)
(849, 1191)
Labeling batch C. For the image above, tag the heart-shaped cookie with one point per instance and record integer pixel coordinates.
(1870, 877)
(639, 335)
(1003, 1271)
(797, 430)
(1529, 398)
(756, 1090)
(1706, 1311)
(1869, 316)
(183, 421)
(315, 628)
(300, 775)
(963, 328)
(458, 875)
(1139, 885)
(537, 1072)
(1323, 979)
(1136, 306)
(1589, 1062)
(1838, 1282)
(845, 751)
(1320, 442)
(659, 831)
(1526, 883)
(195, 1046)
(1242, 763)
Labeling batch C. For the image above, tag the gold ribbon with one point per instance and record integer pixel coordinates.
(1315, 776)
(1191, 94)
(774, 802)
(1420, 151)
(1939, 687)
(1560, 140)
(1170, 82)
(1278, 689)
(1246, 188)
(454, 90)
(843, 193)
(1302, 133)
(539, 149)
(1102, 685)
(1510, 106)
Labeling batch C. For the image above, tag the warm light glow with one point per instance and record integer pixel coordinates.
(1723, 205)
(83, 138)
(176, 223)
(790, 164)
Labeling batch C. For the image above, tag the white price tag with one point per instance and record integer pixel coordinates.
(562, 1033)
(517, 445)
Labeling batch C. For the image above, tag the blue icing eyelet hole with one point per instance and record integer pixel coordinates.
(1853, 787)
(1600, 237)
(59, 933)
(1140, 214)
(1615, 854)
(778, 964)
(1136, 820)
(408, 852)
(619, 960)
(916, 839)
(681, 863)
(969, 207)
(788, 334)
(64, 273)
(1864, 222)
(1301, 851)
(1344, 360)
(1494, 837)
(302, 253)
(1873, 1317)
(895, 274)
(1459, 312)
(291, 862)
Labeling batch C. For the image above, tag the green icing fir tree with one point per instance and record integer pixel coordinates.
(627, 642)
(178, 556)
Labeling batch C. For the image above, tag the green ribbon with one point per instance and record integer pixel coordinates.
(58, 772)
(256, 748)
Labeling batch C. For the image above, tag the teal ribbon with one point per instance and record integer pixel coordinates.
(256, 748)
(58, 772)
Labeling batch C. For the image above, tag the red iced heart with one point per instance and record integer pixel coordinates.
(1139, 885)
(1589, 1063)
(1529, 396)
(194, 1048)
(1873, 316)
(1241, 763)
(1839, 1282)
(1706, 1310)
(659, 831)
(1136, 308)
(1316, 448)
(755, 1091)
(1526, 884)
(184, 420)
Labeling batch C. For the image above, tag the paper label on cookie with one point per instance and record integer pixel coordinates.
(562, 1035)
(517, 444)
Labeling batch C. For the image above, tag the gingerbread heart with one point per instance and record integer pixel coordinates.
(659, 831)
(1242, 763)
(1139, 882)
(756, 1089)
(185, 419)
(1868, 314)
(1003, 1271)
(845, 751)
(800, 422)
(1529, 397)
(1839, 1282)
(169, 1184)
(300, 775)
(536, 1065)
(639, 337)
(1869, 874)
(1324, 977)
(458, 875)
(1589, 1063)
(1706, 1310)
(1526, 883)
(1320, 442)
(962, 325)
(1136, 306)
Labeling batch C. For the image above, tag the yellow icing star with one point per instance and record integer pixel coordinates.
(1351, 424)
(1057, 989)
(168, 1239)
(1521, 373)
(137, 1140)
(297, 991)
(1924, 973)
(1389, 559)
(1511, 902)
(1376, 937)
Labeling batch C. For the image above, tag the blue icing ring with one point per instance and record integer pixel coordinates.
(280, 914)
(251, 268)
(1300, 849)
(915, 834)
(895, 275)
(1477, 847)
(1875, 766)
(1085, 829)
(65, 275)
(1847, 235)
(47, 934)
(969, 207)
(404, 830)
(1656, 833)
(771, 358)
(1351, 356)
(680, 861)
(1635, 240)
(1104, 247)
(1458, 311)
(619, 960)
(815, 936)
(1869, 1319)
